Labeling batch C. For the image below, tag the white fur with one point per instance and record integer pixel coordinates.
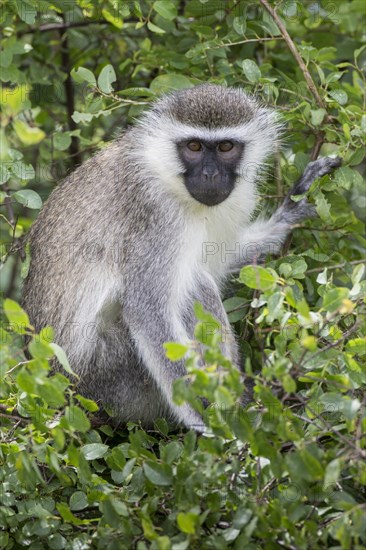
(224, 223)
(98, 289)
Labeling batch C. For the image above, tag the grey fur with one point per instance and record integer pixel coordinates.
(105, 257)
(208, 106)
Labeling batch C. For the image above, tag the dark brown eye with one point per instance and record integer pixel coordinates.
(225, 146)
(194, 146)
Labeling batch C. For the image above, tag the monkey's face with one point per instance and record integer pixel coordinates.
(210, 168)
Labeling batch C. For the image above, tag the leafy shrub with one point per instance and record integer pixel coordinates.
(286, 471)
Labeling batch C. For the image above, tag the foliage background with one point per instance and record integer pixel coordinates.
(289, 471)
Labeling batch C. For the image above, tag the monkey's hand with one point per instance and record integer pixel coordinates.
(263, 237)
(293, 212)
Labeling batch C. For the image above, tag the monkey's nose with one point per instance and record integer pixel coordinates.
(210, 174)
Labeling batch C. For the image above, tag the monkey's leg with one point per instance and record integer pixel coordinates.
(123, 388)
(207, 293)
(264, 237)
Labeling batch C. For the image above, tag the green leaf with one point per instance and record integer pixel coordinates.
(154, 28)
(358, 273)
(28, 198)
(332, 473)
(289, 384)
(28, 135)
(68, 516)
(240, 25)
(166, 9)
(357, 346)
(40, 349)
(340, 96)
(6, 58)
(158, 474)
(175, 351)
(26, 11)
(344, 176)
(106, 78)
(257, 277)
(14, 100)
(78, 420)
(78, 501)
(317, 116)
(23, 171)
(172, 451)
(333, 299)
(62, 358)
(61, 142)
(83, 117)
(116, 460)
(81, 74)
(5, 173)
(251, 70)
(16, 315)
(168, 82)
(322, 278)
(188, 522)
(88, 404)
(91, 451)
(112, 18)
(322, 207)
(274, 304)
(241, 426)
(56, 541)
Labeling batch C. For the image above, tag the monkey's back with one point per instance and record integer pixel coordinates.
(81, 239)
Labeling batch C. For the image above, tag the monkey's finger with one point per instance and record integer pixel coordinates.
(314, 170)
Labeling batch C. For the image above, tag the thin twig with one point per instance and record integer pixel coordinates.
(14, 416)
(344, 336)
(64, 26)
(336, 266)
(246, 41)
(70, 101)
(8, 202)
(320, 138)
(309, 79)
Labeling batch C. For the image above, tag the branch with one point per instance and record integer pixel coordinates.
(61, 26)
(246, 41)
(70, 104)
(14, 416)
(9, 208)
(309, 80)
(336, 266)
(320, 138)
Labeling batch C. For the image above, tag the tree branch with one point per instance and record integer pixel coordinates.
(61, 26)
(309, 80)
(336, 266)
(70, 104)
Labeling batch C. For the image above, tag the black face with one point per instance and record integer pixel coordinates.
(210, 168)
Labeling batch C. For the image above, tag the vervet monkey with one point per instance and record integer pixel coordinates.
(119, 251)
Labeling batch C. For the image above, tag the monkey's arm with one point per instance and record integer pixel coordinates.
(152, 322)
(265, 237)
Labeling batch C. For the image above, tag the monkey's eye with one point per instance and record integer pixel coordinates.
(225, 146)
(194, 146)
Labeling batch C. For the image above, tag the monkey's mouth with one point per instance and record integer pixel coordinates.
(210, 197)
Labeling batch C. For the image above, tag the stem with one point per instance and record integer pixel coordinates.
(309, 80)
(70, 104)
(64, 26)
(337, 266)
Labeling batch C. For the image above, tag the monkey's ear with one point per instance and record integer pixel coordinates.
(272, 122)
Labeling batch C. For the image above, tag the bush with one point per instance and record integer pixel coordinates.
(286, 471)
